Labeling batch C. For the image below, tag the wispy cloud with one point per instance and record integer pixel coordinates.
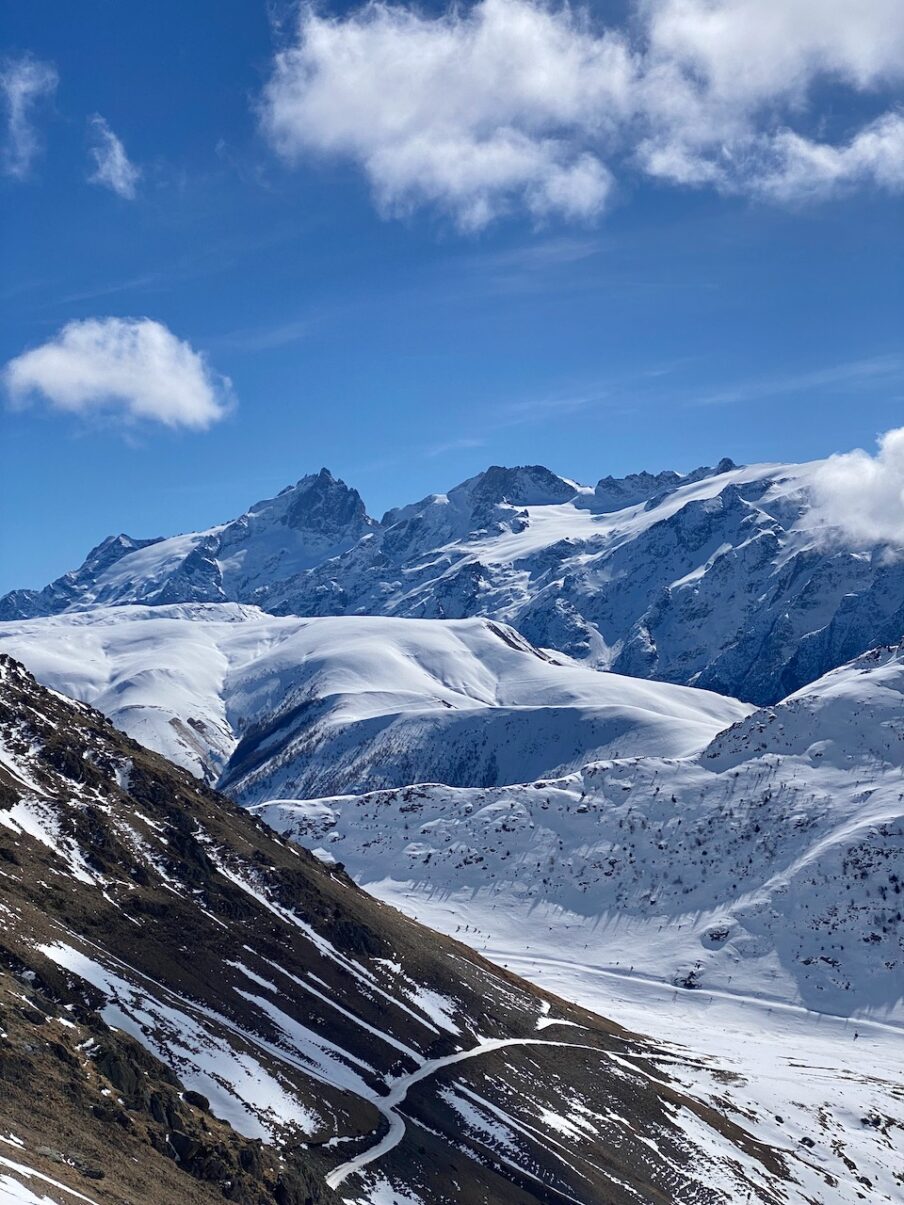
(112, 167)
(204, 261)
(266, 338)
(539, 409)
(853, 373)
(24, 83)
(530, 268)
(454, 445)
(502, 416)
(141, 282)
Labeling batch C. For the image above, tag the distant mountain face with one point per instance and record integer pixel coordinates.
(768, 865)
(193, 1010)
(301, 527)
(715, 578)
(266, 705)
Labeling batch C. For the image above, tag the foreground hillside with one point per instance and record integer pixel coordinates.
(282, 706)
(208, 1012)
(725, 578)
(771, 863)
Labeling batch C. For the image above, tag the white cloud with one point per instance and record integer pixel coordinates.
(112, 167)
(475, 110)
(805, 170)
(723, 80)
(134, 368)
(24, 82)
(862, 495)
(750, 52)
(516, 104)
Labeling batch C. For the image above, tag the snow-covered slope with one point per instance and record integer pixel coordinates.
(286, 706)
(771, 864)
(721, 578)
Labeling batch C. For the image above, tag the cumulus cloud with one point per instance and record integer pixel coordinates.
(862, 495)
(476, 110)
(521, 104)
(723, 80)
(112, 167)
(745, 53)
(24, 83)
(134, 368)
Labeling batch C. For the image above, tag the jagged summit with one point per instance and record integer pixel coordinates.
(70, 589)
(277, 538)
(476, 497)
(522, 485)
(318, 502)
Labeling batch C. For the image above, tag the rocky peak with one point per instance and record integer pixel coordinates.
(25, 604)
(319, 503)
(616, 493)
(522, 485)
(483, 502)
(111, 550)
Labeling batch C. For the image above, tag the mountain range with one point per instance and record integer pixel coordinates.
(722, 578)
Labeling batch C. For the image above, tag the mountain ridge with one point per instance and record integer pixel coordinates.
(265, 704)
(720, 578)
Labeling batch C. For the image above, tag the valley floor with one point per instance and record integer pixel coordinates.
(827, 1091)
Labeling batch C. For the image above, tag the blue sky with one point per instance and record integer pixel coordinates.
(586, 300)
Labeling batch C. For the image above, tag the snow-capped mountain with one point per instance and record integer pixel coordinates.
(769, 864)
(193, 1010)
(268, 705)
(721, 578)
(280, 537)
(629, 838)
